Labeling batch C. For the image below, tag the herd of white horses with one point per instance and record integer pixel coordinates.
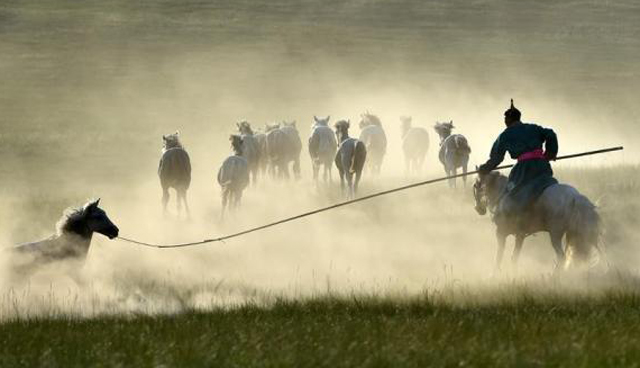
(561, 210)
(276, 153)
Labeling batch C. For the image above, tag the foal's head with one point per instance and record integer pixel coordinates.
(86, 220)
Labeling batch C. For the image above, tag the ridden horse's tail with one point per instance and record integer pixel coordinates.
(358, 157)
(584, 230)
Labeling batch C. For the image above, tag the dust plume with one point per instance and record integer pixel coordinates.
(87, 90)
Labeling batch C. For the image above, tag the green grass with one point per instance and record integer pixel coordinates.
(523, 331)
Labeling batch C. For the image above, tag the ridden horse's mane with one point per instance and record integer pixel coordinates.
(494, 182)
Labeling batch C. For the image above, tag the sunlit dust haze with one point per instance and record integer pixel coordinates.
(87, 89)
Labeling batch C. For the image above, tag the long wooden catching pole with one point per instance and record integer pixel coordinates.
(346, 203)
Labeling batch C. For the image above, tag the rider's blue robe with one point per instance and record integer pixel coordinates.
(528, 179)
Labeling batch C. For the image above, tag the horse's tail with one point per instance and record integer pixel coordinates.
(461, 144)
(584, 232)
(358, 157)
(234, 173)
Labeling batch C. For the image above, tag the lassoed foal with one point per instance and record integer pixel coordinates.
(69, 245)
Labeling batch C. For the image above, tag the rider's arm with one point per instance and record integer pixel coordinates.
(550, 143)
(495, 158)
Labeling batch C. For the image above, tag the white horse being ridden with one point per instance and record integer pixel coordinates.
(233, 177)
(70, 243)
(560, 211)
(322, 147)
(174, 171)
(350, 159)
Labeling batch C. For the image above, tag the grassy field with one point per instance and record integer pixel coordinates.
(524, 329)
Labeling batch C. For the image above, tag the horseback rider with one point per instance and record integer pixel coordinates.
(532, 173)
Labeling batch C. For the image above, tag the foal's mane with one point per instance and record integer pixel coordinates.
(72, 220)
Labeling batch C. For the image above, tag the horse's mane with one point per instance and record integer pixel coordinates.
(171, 141)
(342, 124)
(73, 220)
(498, 182)
(244, 125)
(373, 119)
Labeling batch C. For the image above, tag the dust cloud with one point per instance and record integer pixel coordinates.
(87, 90)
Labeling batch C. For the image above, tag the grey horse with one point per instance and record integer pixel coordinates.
(322, 147)
(294, 147)
(350, 159)
(174, 171)
(415, 144)
(283, 147)
(233, 176)
(454, 151)
(560, 211)
(261, 139)
(276, 142)
(70, 243)
(374, 138)
(251, 149)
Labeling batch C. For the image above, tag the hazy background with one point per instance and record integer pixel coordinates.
(88, 88)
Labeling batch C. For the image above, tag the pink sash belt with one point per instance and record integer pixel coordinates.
(536, 154)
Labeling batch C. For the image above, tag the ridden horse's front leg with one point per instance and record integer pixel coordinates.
(517, 249)
(556, 242)
(502, 239)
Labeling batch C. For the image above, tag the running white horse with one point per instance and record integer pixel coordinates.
(174, 171)
(322, 147)
(375, 140)
(233, 176)
(251, 149)
(350, 159)
(454, 151)
(415, 144)
(70, 244)
(560, 211)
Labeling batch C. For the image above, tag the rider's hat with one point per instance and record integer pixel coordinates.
(512, 112)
